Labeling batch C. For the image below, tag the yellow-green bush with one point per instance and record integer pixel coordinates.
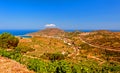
(23, 49)
(8, 41)
(53, 56)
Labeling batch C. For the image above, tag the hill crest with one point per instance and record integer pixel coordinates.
(48, 32)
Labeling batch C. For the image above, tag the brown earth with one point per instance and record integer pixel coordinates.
(10, 66)
(48, 32)
(104, 39)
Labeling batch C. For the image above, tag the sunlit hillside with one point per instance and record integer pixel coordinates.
(72, 52)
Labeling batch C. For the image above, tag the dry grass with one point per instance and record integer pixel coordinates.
(10, 66)
(52, 45)
(44, 45)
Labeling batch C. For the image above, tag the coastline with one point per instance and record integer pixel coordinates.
(26, 32)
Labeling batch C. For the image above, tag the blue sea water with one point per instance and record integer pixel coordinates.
(23, 32)
(18, 32)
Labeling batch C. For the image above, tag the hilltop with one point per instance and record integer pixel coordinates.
(74, 52)
(48, 32)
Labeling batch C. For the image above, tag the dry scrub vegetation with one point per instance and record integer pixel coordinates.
(11, 66)
(71, 53)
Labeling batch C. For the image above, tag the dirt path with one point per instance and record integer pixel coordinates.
(31, 57)
(99, 46)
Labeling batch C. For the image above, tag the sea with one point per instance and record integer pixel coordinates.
(22, 33)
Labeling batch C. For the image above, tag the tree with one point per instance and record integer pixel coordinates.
(8, 41)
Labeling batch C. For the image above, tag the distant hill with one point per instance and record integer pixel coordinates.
(104, 39)
(102, 31)
(48, 32)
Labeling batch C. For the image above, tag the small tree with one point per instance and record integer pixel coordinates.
(8, 41)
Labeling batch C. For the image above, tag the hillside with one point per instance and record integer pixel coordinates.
(10, 66)
(105, 39)
(75, 52)
(48, 32)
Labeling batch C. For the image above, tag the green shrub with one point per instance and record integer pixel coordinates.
(23, 49)
(111, 67)
(50, 67)
(8, 41)
(62, 66)
(85, 46)
(46, 56)
(11, 54)
(53, 56)
(57, 56)
(37, 65)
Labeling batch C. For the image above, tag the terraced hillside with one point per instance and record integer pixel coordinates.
(104, 39)
(44, 45)
(71, 53)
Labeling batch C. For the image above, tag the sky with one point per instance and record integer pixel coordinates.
(64, 14)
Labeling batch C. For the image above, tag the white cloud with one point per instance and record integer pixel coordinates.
(50, 25)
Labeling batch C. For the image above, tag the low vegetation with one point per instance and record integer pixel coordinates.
(24, 49)
(51, 55)
(104, 39)
(61, 66)
(8, 41)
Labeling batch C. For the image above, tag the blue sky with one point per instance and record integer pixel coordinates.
(64, 14)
